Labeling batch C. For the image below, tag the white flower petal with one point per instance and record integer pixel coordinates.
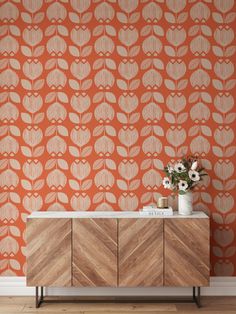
(194, 165)
(179, 167)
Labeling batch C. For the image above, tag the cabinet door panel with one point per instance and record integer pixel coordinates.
(48, 252)
(140, 252)
(186, 252)
(94, 252)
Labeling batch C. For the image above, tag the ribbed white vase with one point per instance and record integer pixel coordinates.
(185, 203)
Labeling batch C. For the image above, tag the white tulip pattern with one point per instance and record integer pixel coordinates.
(56, 100)
(97, 95)
(80, 101)
(224, 138)
(10, 134)
(152, 99)
(127, 112)
(104, 101)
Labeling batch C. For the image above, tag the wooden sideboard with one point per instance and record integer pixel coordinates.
(102, 249)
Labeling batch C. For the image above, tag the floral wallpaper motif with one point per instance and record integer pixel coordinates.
(96, 96)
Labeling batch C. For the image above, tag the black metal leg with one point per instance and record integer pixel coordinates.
(198, 296)
(36, 297)
(38, 300)
(197, 299)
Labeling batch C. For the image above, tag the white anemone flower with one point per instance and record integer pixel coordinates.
(166, 182)
(170, 169)
(183, 185)
(194, 165)
(179, 167)
(194, 175)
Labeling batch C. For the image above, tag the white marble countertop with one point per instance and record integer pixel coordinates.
(109, 214)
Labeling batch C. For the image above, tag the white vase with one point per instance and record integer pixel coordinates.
(185, 203)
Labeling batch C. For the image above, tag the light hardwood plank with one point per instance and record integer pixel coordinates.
(15, 308)
(211, 305)
(101, 307)
(14, 300)
(134, 311)
(165, 312)
(51, 311)
(128, 312)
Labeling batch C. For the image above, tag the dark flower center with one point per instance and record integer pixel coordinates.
(179, 168)
(193, 175)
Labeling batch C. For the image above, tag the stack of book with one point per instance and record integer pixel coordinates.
(156, 211)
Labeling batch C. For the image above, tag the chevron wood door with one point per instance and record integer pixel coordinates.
(48, 252)
(186, 252)
(94, 252)
(140, 252)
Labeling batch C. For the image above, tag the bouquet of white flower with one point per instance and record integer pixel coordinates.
(184, 175)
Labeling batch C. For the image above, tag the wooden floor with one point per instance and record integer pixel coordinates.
(211, 305)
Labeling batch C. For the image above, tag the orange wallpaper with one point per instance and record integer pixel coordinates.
(96, 96)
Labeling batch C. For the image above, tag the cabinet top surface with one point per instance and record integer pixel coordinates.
(109, 214)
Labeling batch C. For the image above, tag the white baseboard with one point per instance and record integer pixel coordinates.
(219, 286)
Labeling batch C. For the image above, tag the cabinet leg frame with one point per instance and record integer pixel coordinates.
(196, 298)
(38, 299)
